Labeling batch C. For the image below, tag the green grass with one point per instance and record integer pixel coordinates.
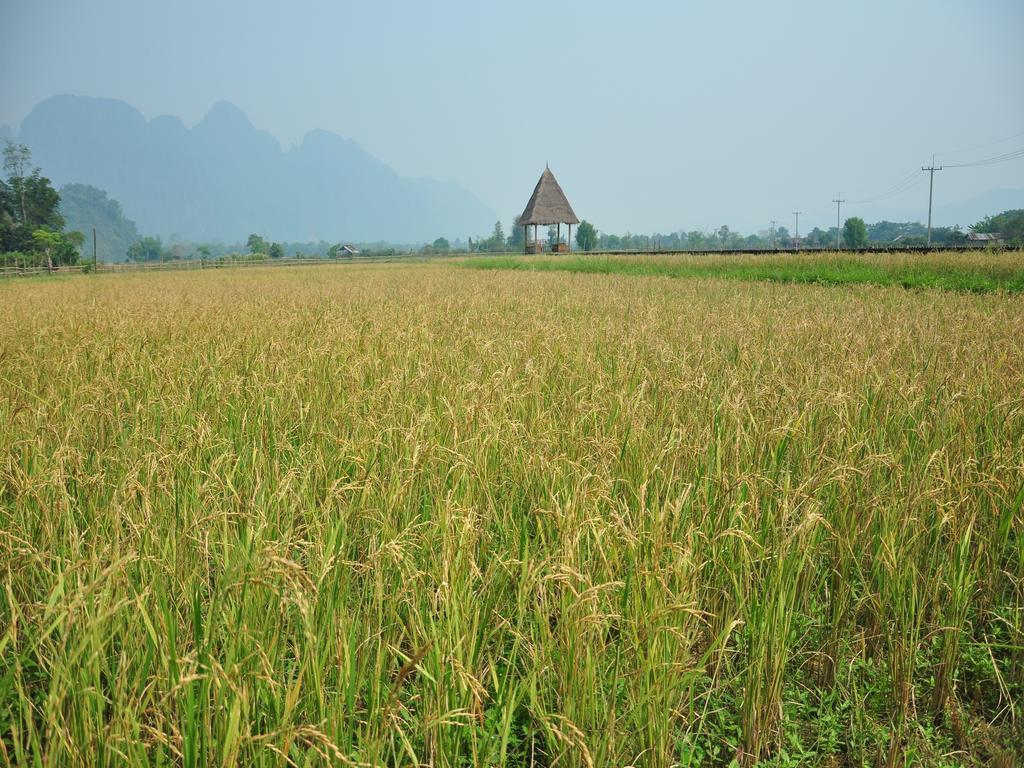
(973, 273)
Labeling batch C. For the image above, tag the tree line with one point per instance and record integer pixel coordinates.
(855, 233)
(35, 232)
(32, 231)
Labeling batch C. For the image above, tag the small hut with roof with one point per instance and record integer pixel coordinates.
(548, 206)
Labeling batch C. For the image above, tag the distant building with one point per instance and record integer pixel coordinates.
(548, 205)
(348, 250)
(982, 239)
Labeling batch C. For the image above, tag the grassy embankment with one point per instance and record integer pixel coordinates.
(429, 515)
(972, 272)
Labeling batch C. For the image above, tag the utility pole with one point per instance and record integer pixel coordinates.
(931, 181)
(797, 237)
(94, 262)
(771, 236)
(838, 203)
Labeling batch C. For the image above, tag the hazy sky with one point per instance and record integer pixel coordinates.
(653, 115)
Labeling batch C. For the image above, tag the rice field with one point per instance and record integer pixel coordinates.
(976, 272)
(430, 515)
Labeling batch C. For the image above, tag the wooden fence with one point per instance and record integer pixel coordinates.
(195, 264)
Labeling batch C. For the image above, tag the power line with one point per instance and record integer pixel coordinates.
(980, 146)
(912, 179)
(1003, 158)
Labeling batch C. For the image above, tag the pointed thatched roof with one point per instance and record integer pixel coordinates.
(548, 204)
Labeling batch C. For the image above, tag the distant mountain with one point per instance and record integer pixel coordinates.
(963, 212)
(968, 212)
(224, 179)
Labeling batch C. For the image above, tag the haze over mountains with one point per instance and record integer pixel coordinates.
(223, 178)
(962, 213)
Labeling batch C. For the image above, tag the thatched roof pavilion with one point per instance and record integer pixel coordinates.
(548, 205)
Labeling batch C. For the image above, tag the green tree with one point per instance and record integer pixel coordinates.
(948, 236)
(586, 236)
(17, 161)
(7, 214)
(146, 249)
(276, 251)
(818, 238)
(31, 219)
(723, 234)
(855, 233)
(55, 247)
(203, 251)
(517, 237)
(27, 202)
(37, 203)
(177, 251)
(257, 244)
(1009, 224)
(889, 232)
(493, 244)
(441, 245)
(46, 242)
(77, 240)
(42, 203)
